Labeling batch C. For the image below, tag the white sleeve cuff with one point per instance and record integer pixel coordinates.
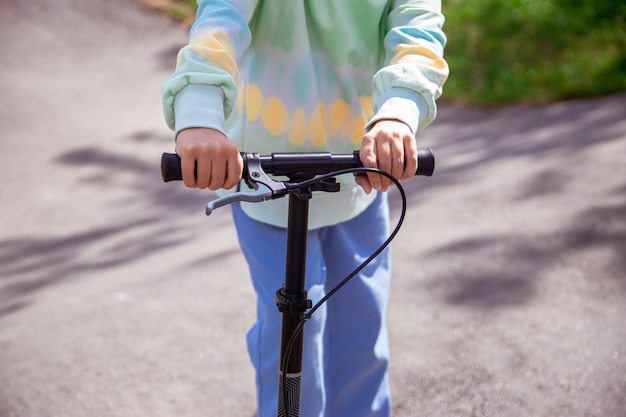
(401, 104)
(199, 106)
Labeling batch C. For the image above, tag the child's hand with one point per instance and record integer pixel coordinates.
(208, 159)
(389, 146)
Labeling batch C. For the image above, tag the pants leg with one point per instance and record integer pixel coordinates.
(264, 248)
(356, 342)
(345, 342)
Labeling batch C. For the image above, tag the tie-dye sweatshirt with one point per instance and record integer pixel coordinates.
(308, 75)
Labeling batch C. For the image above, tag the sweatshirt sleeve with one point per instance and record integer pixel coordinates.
(203, 89)
(414, 72)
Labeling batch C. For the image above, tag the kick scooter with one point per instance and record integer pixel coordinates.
(307, 173)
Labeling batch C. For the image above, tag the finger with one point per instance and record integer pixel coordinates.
(218, 174)
(410, 158)
(204, 169)
(234, 170)
(397, 160)
(364, 183)
(384, 157)
(188, 170)
(369, 160)
(187, 164)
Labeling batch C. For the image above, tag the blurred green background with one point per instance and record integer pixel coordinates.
(513, 51)
(503, 51)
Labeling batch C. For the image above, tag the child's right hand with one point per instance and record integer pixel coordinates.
(208, 159)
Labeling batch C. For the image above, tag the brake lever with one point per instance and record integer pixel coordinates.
(264, 187)
(261, 193)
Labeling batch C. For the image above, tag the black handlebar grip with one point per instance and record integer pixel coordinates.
(171, 170)
(425, 162)
(170, 167)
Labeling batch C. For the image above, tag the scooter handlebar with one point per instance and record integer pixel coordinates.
(316, 163)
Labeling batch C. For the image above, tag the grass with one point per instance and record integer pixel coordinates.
(511, 51)
(503, 51)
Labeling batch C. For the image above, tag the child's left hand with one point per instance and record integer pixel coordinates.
(389, 146)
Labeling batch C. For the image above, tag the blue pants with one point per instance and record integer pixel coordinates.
(346, 348)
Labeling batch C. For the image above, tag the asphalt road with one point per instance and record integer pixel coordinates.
(118, 297)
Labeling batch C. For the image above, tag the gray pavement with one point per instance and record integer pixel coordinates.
(119, 298)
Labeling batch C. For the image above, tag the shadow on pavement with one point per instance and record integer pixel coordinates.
(549, 146)
(142, 220)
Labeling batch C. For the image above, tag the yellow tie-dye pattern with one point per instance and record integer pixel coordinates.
(366, 103)
(417, 53)
(215, 46)
(336, 119)
(275, 116)
(356, 128)
(299, 132)
(317, 125)
(339, 112)
(254, 101)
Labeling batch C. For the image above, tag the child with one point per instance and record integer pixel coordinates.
(312, 75)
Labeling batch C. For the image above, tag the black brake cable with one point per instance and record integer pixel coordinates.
(299, 328)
